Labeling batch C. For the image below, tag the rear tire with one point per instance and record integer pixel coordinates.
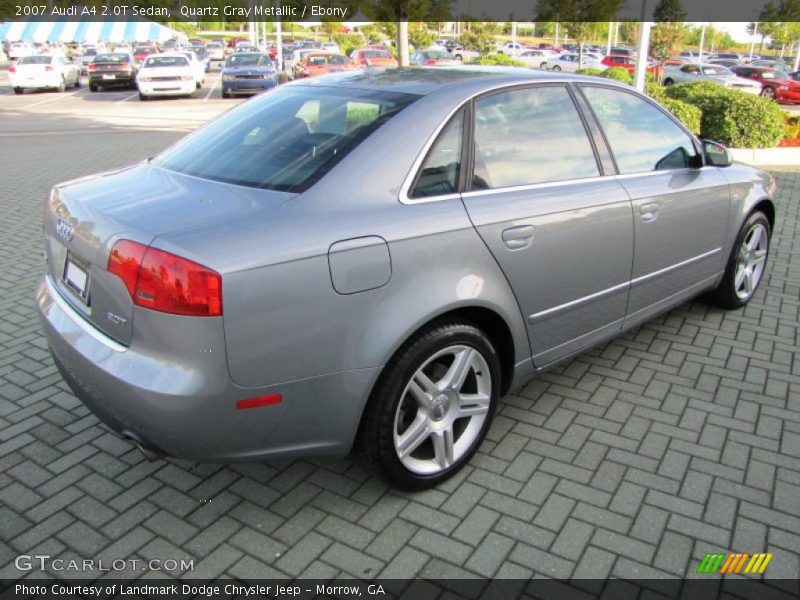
(543, 66)
(18, 90)
(225, 94)
(668, 81)
(77, 82)
(556, 68)
(92, 87)
(62, 87)
(746, 264)
(143, 97)
(432, 406)
(768, 92)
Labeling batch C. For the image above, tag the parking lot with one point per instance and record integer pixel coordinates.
(633, 460)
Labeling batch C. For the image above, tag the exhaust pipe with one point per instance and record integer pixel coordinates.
(150, 454)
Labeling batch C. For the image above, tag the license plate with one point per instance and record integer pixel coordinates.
(109, 76)
(76, 278)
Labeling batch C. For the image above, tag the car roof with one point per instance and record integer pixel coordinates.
(423, 81)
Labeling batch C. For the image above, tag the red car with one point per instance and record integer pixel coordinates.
(370, 57)
(775, 84)
(624, 62)
(141, 52)
(315, 64)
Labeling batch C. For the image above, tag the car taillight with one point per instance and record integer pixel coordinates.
(48, 68)
(164, 282)
(92, 67)
(12, 69)
(430, 61)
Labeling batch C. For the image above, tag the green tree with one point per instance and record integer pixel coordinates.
(580, 17)
(420, 36)
(668, 33)
(480, 37)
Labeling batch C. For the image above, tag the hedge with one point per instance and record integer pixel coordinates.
(499, 59)
(688, 114)
(618, 74)
(736, 119)
(593, 72)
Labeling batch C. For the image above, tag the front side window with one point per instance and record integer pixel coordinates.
(642, 137)
(530, 135)
(442, 167)
(284, 140)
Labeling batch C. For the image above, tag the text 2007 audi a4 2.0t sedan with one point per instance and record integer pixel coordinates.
(372, 259)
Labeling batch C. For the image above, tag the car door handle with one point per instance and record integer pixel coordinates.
(649, 212)
(517, 238)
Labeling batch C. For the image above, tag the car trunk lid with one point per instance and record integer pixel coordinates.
(85, 218)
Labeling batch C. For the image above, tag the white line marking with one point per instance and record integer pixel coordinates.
(53, 99)
(211, 91)
(127, 98)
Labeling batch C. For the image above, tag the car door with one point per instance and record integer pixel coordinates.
(562, 234)
(680, 207)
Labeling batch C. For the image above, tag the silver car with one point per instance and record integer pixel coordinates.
(373, 259)
(692, 72)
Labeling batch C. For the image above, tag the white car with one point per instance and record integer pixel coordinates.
(43, 71)
(198, 67)
(18, 49)
(512, 48)
(168, 74)
(536, 59)
(295, 57)
(569, 62)
(216, 51)
(691, 72)
(331, 47)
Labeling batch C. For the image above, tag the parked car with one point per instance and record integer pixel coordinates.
(777, 85)
(512, 48)
(704, 71)
(725, 62)
(247, 73)
(202, 56)
(330, 47)
(433, 58)
(771, 64)
(536, 58)
(373, 57)
(294, 57)
(84, 60)
(282, 316)
(462, 54)
(42, 71)
(167, 74)
(198, 67)
(17, 50)
(115, 69)
(569, 63)
(245, 47)
(216, 51)
(318, 63)
(142, 52)
(626, 62)
(734, 56)
(622, 51)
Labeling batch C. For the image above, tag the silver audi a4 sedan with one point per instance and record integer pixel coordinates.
(370, 260)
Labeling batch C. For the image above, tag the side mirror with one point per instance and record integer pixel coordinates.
(716, 154)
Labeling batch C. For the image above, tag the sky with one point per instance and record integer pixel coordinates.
(738, 31)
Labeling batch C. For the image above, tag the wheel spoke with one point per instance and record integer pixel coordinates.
(412, 437)
(473, 404)
(425, 383)
(748, 281)
(420, 395)
(739, 279)
(755, 238)
(760, 257)
(443, 447)
(457, 373)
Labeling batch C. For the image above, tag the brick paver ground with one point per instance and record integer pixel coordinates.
(633, 460)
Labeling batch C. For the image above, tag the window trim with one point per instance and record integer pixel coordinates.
(429, 151)
(695, 142)
(467, 159)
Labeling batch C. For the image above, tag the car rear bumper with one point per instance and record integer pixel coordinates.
(188, 407)
(37, 82)
(119, 79)
(247, 86)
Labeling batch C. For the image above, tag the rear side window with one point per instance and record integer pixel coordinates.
(285, 140)
(530, 135)
(442, 167)
(642, 137)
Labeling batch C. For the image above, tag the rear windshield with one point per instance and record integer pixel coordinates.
(246, 60)
(111, 58)
(332, 60)
(166, 61)
(35, 60)
(376, 54)
(285, 140)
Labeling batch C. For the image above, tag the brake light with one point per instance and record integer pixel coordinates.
(92, 67)
(430, 61)
(48, 68)
(164, 282)
(12, 69)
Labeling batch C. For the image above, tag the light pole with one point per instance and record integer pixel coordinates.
(702, 42)
(608, 43)
(753, 41)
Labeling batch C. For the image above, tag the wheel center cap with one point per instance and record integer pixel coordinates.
(439, 405)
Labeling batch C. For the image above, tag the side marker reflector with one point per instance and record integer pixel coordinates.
(258, 401)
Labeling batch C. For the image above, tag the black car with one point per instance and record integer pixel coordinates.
(116, 69)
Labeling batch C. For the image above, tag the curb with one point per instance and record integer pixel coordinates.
(760, 157)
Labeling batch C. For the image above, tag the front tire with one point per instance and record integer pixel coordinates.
(746, 264)
(556, 68)
(18, 90)
(432, 406)
(143, 97)
(668, 81)
(768, 92)
(62, 87)
(78, 82)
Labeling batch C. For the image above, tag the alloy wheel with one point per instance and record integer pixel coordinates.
(442, 410)
(750, 261)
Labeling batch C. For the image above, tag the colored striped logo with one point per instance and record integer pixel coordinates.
(736, 562)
